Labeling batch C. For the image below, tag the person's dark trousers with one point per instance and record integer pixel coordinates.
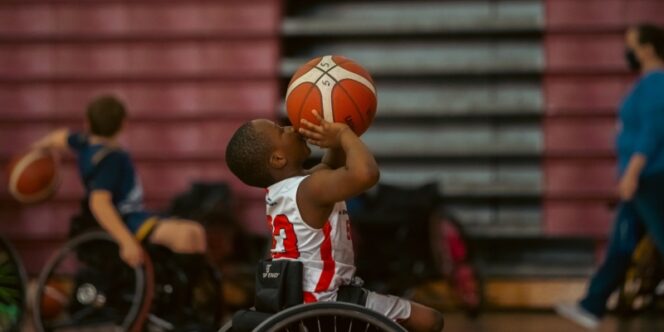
(649, 203)
(644, 213)
(627, 230)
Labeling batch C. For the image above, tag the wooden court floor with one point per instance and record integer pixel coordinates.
(532, 322)
(547, 322)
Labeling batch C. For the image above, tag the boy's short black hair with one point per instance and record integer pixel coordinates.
(248, 154)
(653, 35)
(105, 116)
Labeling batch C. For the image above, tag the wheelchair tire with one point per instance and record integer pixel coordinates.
(199, 302)
(85, 284)
(12, 288)
(342, 317)
(228, 327)
(637, 293)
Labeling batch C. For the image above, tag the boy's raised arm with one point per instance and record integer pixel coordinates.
(359, 172)
(57, 139)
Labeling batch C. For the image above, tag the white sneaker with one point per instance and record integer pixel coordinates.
(577, 314)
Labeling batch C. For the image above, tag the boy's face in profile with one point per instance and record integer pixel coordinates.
(285, 139)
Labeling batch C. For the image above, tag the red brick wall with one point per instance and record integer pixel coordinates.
(584, 81)
(189, 71)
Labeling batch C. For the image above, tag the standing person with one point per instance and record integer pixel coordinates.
(640, 150)
(306, 209)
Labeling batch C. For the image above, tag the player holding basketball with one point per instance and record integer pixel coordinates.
(306, 208)
(113, 192)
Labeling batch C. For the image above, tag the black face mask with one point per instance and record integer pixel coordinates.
(632, 61)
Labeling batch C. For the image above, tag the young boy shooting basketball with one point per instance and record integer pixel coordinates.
(306, 208)
(113, 192)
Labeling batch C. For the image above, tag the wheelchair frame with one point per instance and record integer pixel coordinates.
(353, 314)
(14, 281)
(141, 301)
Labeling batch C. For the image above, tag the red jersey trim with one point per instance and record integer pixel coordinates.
(328, 262)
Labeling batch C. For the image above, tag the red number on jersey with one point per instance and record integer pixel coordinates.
(284, 241)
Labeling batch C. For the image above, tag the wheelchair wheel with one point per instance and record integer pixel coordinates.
(87, 285)
(12, 288)
(638, 291)
(199, 301)
(328, 316)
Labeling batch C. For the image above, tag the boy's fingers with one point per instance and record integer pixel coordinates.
(317, 116)
(310, 134)
(310, 125)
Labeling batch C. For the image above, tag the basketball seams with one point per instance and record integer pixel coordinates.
(357, 108)
(314, 85)
(328, 92)
(337, 83)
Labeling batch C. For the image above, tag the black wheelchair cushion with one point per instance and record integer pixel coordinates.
(278, 285)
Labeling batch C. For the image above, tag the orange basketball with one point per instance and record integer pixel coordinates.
(339, 88)
(34, 176)
(54, 299)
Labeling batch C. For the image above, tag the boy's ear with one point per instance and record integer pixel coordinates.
(277, 159)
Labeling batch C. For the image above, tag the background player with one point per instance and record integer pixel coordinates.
(113, 192)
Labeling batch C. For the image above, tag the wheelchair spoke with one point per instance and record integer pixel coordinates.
(367, 327)
(319, 328)
(350, 327)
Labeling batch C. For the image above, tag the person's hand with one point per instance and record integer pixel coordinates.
(627, 187)
(131, 253)
(325, 135)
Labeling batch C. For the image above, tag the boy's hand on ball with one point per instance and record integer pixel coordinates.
(325, 135)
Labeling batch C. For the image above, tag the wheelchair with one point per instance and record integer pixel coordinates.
(426, 242)
(323, 317)
(12, 288)
(279, 307)
(643, 287)
(85, 285)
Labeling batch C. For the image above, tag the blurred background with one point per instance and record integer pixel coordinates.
(507, 105)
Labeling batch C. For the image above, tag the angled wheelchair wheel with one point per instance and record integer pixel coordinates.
(199, 300)
(12, 288)
(638, 291)
(86, 285)
(328, 316)
(206, 302)
(227, 327)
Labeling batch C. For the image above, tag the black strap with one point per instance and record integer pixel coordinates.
(352, 294)
(97, 161)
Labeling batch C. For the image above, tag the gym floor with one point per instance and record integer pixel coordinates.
(519, 321)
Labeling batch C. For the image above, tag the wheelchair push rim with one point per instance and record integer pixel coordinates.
(344, 316)
(12, 288)
(85, 302)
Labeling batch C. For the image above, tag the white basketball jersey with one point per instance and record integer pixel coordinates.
(326, 253)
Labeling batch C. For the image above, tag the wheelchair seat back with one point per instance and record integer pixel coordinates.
(279, 287)
(403, 218)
